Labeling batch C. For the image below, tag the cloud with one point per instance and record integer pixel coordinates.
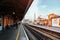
(43, 6)
(45, 13)
(40, 9)
(56, 11)
(31, 10)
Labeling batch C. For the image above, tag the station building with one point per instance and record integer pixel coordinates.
(53, 20)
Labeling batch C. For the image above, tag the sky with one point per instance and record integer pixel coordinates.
(43, 8)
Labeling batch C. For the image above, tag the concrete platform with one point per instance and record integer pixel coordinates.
(8, 34)
(55, 29)
(23, 35)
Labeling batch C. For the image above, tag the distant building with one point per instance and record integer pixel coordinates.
(56, 21)
(46, 22)
(35, 22)
(50, 16)
(42, 21)
(25, 20)
(53, 20)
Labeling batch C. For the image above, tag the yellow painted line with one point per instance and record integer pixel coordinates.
(17, 37)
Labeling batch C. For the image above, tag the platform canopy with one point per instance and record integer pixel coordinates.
(15, 8)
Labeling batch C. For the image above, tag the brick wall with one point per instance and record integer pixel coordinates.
(7, 20)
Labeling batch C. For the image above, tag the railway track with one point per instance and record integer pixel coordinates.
(47, 33)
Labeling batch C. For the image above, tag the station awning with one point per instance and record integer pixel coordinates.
(20, 7)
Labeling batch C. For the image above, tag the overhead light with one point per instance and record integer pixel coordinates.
(13, 12)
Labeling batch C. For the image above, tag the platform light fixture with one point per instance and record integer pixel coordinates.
(13, 12)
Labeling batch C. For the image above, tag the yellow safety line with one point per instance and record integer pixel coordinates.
(17, 37)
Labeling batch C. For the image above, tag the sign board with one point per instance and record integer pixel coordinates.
(55, 22)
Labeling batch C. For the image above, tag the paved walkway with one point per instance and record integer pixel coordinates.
(14, 34)
(8, 34)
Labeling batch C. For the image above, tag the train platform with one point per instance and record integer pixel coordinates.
(23, 34)
(9, 34)
(55, 29)
(14, 34)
